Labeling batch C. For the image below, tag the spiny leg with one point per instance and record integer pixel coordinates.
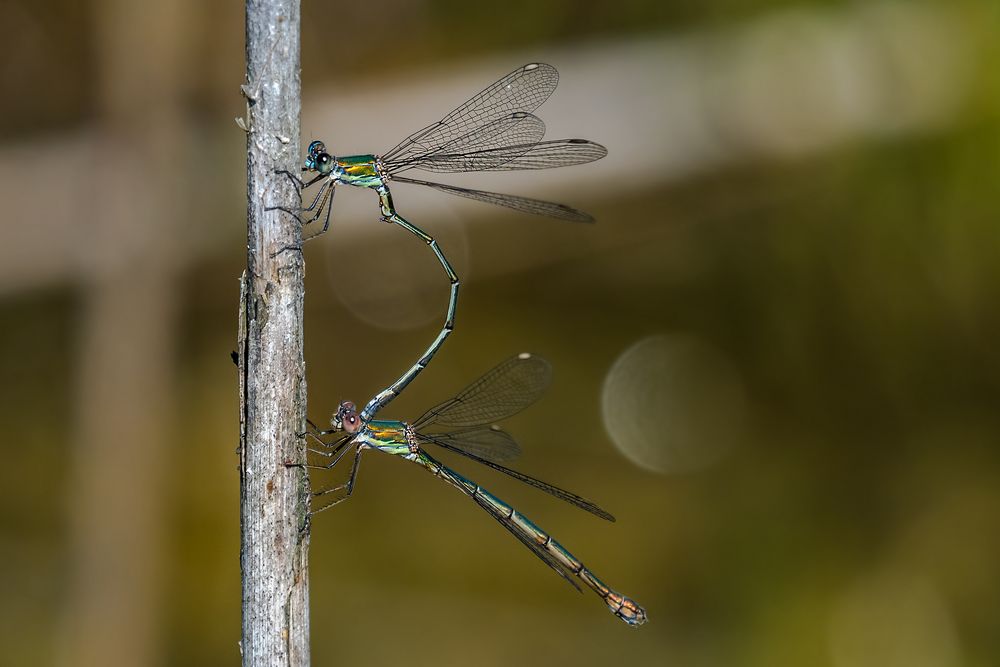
(333, 450)
(316, 430)
(302, 185)
(296, 181)
(326, 221)
(319, 193)
(349, 485)
(323, 195)
(393, 390)
(334, 454)
(299, 185)
(325, 199)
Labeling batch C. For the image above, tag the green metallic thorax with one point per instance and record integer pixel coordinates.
(385, 435)
(359, 170)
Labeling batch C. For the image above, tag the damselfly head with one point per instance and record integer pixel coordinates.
(317, 159)
(346, 418)
(315, 148)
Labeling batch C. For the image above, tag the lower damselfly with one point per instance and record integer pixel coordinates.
(469, 417)
(495, 130)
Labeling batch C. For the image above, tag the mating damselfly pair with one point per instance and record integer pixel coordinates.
(495, 130)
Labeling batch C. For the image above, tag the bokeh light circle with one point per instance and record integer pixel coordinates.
(389, 278)
(673, 404)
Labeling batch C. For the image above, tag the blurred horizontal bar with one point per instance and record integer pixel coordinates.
(781, 86)
(671, 106)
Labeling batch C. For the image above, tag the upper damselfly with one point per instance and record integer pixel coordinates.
(495, 130)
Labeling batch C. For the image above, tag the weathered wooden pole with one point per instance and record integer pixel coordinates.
(273, 496)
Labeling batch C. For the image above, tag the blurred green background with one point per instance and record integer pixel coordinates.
(775, 353)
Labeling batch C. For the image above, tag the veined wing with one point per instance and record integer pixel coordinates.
(528, 155)
(492, 443)
(523, 90)
(483, 148)
(555, 491)
(501, 392)
(523, 204)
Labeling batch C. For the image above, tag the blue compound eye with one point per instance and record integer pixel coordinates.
(315, 148)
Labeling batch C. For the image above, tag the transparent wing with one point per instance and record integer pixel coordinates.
(523, 204)
(530, 155)
(551, 154)
(492, 444)
(481, 149)
(523, 90)
(501, 392)
(555, 491)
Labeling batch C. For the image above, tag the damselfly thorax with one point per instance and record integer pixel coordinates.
(365, 171)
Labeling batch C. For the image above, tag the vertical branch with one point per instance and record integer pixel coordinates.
(273, 496)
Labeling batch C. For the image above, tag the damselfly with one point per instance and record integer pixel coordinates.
(495, 130)
(504, 391)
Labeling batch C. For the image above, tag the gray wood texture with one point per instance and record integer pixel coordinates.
(274, 496)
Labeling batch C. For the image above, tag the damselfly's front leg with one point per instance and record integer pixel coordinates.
(392, 391)
(296, 181)
(334, 451)
(322, 200)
